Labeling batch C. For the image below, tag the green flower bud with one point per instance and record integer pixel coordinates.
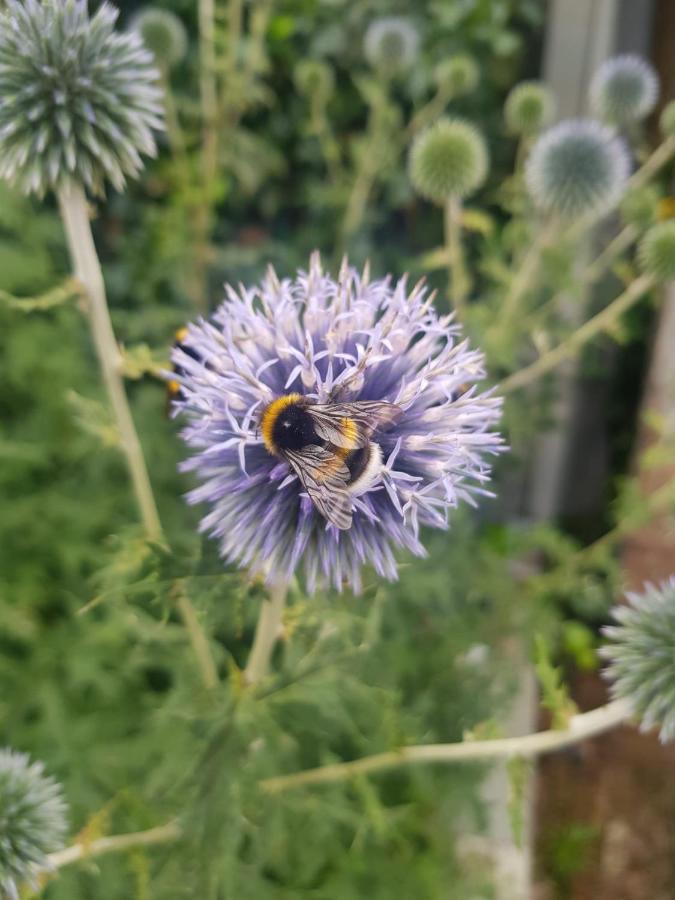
(79, 100)
(657, 251)
(530, 106)
(579, 167)
(32, 820)
(457, 75)
(449, 159)
(641, 656)
(391, 44)
(624, 89)
(314, 78)
(163, 34)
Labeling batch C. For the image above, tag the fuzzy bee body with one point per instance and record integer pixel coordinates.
(329, 447)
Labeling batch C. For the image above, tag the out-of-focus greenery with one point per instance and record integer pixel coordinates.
(97, 676)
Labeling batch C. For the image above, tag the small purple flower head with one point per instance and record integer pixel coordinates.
(349, 340)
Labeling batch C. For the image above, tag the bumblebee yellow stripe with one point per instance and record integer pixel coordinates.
(181, 334)
(270, 416)
(350, 432)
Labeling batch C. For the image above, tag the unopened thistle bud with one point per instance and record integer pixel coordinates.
(163, 34)
(32, 820)
(529, 107)
(449, 159)
(657, 251)
(457, 75)
(577, 168)
(641, 656)
(391, 44)
(78, 100)
(624, 89)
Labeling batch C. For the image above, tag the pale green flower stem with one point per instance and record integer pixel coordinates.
(87, 269)
(602, 322)
(458, 281)
(580, 728)
(525, 276)
(268, 630)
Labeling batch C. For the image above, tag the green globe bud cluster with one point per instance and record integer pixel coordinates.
(163, 34)
(657, 251)
(457, 75)
(391, 44)
(530, 107)
(577, 168)
(641, 656)
(640, 207)
(624, 90)
(79, 100)
(32, 820)
(448, 160)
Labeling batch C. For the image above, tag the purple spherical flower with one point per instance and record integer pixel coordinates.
(350, 340)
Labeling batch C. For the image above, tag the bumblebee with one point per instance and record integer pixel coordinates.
(329, 447)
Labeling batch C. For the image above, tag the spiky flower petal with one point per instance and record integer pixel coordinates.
(624, 89)
(32, 820)
(579, 167)
(457, 75)
(350, 339)
(78, 100)
(657, 251)
(449, 159)
(163, 34)
(529, 107)
(391, 44)
(641, 655)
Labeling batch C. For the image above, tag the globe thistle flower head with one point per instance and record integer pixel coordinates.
(530, 106)
(667, 120)
(577, 168)
(163, 34)
(641, 655)
(78, 100)
(624, 89)
(391, 44)
(32, 820)
(657, 251)
(457, 75)
(318, 340)
(448, 159)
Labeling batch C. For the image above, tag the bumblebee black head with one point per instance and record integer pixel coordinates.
(287, 425)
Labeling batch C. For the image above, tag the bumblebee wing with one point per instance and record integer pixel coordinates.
(351, 425)
(324, 476)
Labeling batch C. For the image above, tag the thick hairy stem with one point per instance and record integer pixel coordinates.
(600, 323)
(163, 834)
(267, 632)
(458, 284)
(198, 639)
(580, 728)
(75, 215)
